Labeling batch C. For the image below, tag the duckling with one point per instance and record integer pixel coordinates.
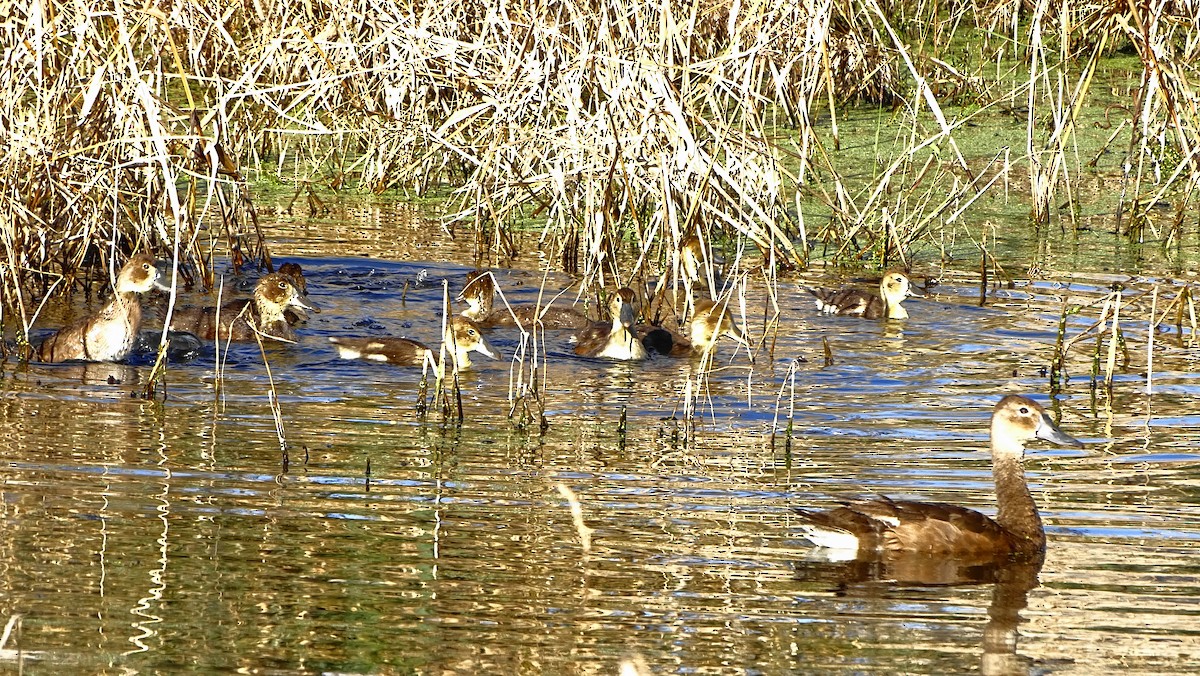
(900, 527)
(295, 275)
(894, 288)
(615, 341)
(110, 333)
(463, 337)
(711, 321)
(273, 295)
(479, 294)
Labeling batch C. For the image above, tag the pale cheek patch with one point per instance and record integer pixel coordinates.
(377, 357)
(348, 353)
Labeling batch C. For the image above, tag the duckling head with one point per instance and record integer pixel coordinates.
(464, 337)
(623, 306)
(894, 288)
(1017, 420)
(295, 275)
(712, 321)
(278, 293)
(141, 274)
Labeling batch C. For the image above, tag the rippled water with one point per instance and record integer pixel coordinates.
(165, 535)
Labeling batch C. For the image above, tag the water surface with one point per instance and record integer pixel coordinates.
(158, 535)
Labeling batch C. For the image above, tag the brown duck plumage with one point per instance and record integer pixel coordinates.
(893, 289)
(891, 527)
(110, 333)
(479, 295)
(614, 340)
(464, 337)
(273, 295)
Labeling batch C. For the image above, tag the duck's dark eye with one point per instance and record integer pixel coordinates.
(1024, 410)
(146, 266)
(283, 285)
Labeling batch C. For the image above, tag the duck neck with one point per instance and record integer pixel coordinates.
(1017, 512)
(894, 309)
(462, 358)
(704, 335)
(458, 352)
(268, 313)
(622, 343)
(125, 304)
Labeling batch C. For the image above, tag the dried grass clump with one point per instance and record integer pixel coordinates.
(96, 160)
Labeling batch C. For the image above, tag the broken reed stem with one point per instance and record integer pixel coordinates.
(272, 395)
(789, 382)
(1110, 364)
(449, 398)
(1150, 331)
(584, 531)
(521, 385)
(13, 624)
(1058, 363)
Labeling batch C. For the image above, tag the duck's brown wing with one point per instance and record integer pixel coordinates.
(65, 344)
(551, 318)
(202, 321)
(400, 351)
(907, 526)
(849, 301)
(590, 340)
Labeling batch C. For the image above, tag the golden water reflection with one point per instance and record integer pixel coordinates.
(152, 535)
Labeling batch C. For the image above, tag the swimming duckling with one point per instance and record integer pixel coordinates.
(479, 295)
(895, 527)
(711, 321)
(463, 337)
(616, 340)
(894, 288)
(273, 295)
(110, 333)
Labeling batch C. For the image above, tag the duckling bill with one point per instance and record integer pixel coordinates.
(110, 333)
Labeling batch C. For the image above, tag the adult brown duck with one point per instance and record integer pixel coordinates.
(710, 322)
(898, 527)
(109, 333)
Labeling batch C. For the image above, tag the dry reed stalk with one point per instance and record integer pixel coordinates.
(13, 625)
(272, 396)
(448, 396)
(581, 528)
(788, 385)
(1151, 329)
(98, 160)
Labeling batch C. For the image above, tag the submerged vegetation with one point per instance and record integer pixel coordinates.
(614, 128)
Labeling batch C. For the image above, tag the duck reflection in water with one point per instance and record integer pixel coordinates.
(929, 544)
